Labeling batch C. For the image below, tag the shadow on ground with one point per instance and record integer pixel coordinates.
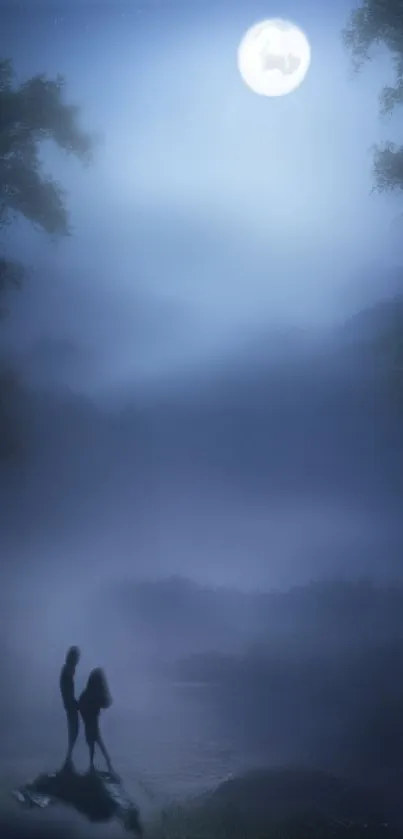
(282, 803)
(96, 796)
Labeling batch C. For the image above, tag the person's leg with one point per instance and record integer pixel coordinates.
(72, 731)
(89, 736)
(91, 746)
(103, 749)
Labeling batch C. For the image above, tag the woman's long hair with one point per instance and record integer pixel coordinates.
(97, 689)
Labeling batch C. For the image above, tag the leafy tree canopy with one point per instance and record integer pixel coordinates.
(31, 113)
(373, 24)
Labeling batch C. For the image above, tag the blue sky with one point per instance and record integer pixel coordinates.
(210, 217)
(207, 207)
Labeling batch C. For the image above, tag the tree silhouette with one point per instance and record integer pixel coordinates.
(371, 25)
(31, 113)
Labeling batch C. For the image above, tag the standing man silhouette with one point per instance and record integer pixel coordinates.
(69, 700)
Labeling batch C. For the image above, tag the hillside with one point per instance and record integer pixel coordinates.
(290, 803)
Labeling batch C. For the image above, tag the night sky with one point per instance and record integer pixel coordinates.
(194, 404)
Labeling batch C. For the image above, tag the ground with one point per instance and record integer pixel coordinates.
(288, 803)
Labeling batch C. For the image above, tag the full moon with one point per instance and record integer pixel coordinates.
(274, 57)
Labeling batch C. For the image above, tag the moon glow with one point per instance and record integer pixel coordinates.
(274, 57)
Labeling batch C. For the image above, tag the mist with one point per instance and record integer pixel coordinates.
(207, 492)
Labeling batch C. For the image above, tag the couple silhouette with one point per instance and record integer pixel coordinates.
(94, 698)
(99, 796)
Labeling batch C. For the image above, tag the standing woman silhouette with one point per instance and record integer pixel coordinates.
(93, 700)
